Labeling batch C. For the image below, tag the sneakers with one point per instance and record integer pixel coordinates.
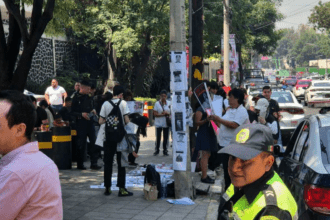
(123, 192)
(156, 153)
(107, 191)
(207, 180)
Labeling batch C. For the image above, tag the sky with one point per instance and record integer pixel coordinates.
(296, 12)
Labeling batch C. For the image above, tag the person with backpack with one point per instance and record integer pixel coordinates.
(114, 113)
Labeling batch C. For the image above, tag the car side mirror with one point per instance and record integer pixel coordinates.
(277, 151)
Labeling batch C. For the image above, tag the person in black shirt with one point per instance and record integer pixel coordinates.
(82, 109)
(41, 115)
(274, 108)
(65, 111)
(76, 90)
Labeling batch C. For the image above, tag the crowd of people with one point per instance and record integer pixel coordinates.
(248, 129)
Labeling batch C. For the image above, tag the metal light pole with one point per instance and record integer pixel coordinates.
(226, 43)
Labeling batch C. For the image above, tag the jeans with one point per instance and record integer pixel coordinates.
(86, 129)
(165, 138)
(56, 108)
(110, 149)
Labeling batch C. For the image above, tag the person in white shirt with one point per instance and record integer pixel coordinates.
(235, 116)
(54, 95)
(161, 111)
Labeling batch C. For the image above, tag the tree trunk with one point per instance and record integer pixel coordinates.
(11, 78)
(145, 57)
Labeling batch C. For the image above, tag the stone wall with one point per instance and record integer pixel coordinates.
(43, 68)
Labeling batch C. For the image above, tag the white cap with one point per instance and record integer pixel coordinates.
(262, 103)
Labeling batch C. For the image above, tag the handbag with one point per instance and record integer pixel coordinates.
(167, 117)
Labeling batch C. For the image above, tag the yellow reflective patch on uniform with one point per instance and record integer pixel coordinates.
(268, 217)
(243, 136)
(64, 138)
(45, 145)
(74, 132)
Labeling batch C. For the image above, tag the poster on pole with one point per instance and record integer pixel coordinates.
(179, 121)
(180, 142)
(178, 101)
(179, 80)
(233, 56)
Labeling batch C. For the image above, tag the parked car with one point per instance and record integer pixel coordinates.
(318, 94)
(305, 167)
(292, 113)
(316, 77)
(272, 79)
(266, 79)
(289, 81)
(301, 86)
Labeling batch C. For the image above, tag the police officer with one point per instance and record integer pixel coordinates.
(83, 109)
(256, 192)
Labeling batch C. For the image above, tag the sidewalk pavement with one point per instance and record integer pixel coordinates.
(83, 203)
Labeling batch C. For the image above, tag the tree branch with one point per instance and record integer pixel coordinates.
(3, 45)
(13, 9)
(13, 43)
(36, 15)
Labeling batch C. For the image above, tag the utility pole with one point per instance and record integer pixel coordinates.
(226, 43)
(182, 179)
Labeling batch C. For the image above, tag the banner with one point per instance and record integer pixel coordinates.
(135, 107)
(179, 112)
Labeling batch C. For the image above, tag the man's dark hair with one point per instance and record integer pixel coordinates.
(21, 111)
(68, 99)
(32, 98)
(163, 92)
(244, 91)
(221, 92)
(238, 94)
(118, 90)
(43, 103)
(214, 85)
(207, 83)
(266, 87)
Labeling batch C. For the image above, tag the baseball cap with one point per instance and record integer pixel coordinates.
(85, 83)
(249, 141)
(262, 103)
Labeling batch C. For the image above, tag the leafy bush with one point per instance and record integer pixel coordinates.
(144, 99)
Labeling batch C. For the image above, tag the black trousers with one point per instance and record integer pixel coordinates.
(224, 160)
(165, 138)
(86, 129)
(110, 149)
(131, 158)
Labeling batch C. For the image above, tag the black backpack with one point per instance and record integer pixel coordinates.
(114, 125)
(153, 177)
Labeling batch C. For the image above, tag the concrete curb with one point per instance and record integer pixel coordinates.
(212, 210)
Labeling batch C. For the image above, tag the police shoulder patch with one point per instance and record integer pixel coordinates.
(268, 217)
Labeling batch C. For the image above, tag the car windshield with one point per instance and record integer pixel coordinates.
(303, 83)
(325, 144)
(282, 97)
(291, 81)
(255, 90)
(322, 84)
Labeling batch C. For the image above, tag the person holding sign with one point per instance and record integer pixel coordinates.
(235, 116)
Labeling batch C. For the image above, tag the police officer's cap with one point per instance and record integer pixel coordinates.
(85, 83)
(249, 141)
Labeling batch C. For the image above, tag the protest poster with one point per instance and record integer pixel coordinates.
(179, 80)
(179, 121)
(135, 107)
(180, 160)
(178, 101)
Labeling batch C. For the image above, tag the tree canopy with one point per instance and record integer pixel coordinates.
(320, 16)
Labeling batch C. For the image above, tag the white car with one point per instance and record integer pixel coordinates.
(272, 79)
(318, 94)
(292, 113)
